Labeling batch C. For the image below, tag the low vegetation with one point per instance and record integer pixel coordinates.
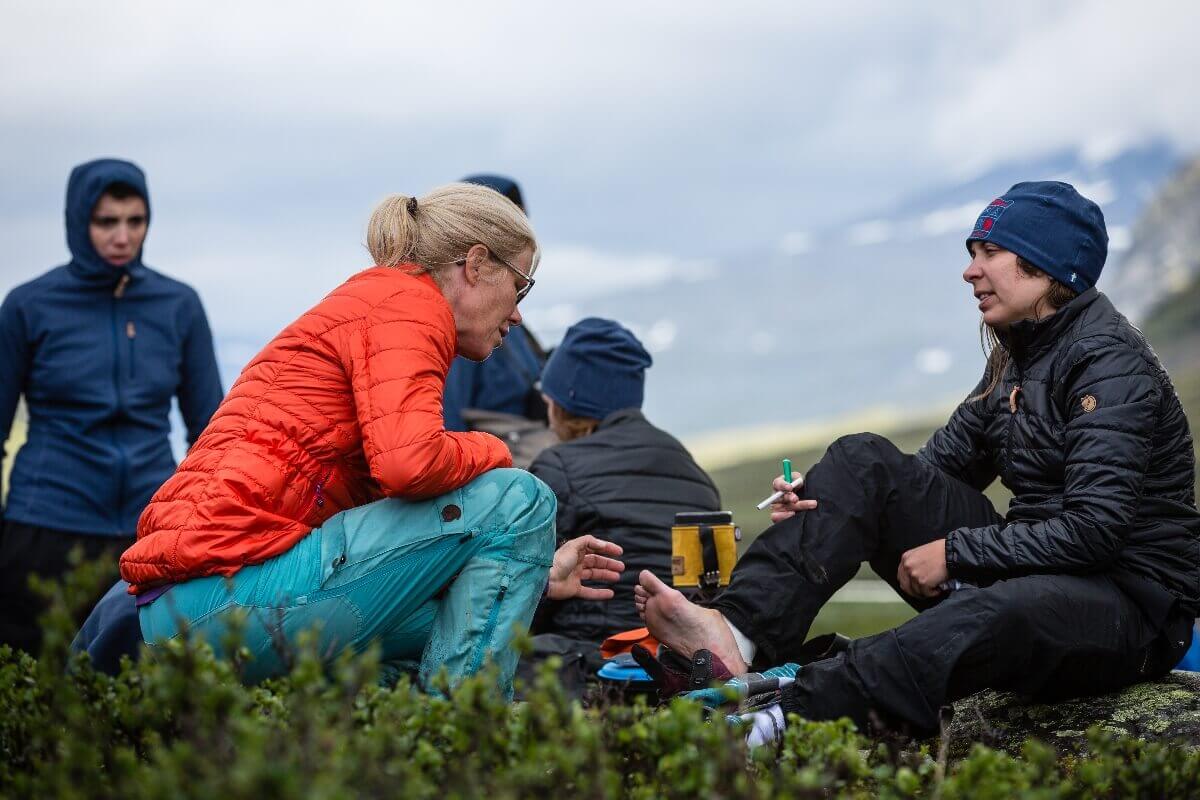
(181, 724)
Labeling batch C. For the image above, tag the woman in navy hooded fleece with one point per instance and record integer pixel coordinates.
(98, 347)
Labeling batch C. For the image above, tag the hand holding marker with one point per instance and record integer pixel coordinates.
(787, 476)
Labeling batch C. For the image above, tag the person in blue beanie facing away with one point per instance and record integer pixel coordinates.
(615, 474)
(505, 382)
(1089, 583)
(98, 347)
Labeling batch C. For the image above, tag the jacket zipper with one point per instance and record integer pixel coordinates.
(122, 458)
(319, 492)
(131, 334)
(1014, 405)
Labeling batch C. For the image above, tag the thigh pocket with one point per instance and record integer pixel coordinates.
(346, 562)
(362, 540)
(334, 621)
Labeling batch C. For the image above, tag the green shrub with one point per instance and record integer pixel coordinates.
(181, 724)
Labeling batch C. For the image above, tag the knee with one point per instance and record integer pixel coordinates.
(511, 486)
(864, 451)
(520, 503)
(524, 493)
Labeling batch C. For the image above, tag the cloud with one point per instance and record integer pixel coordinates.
(933, 360)
(875, 231)
(1102, 192)
(1095, 76)
(268, 135)
(795, 243)
(574, 272)
(1120, 238)
(659, 337)
(951, 220)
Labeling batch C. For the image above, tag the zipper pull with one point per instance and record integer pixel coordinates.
(1012, 399)
(320, 491)
(121, 284)
(130, 330)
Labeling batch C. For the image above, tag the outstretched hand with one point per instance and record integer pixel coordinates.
(584, 559)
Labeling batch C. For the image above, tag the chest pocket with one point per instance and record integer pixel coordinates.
(1038, 439)
(152, 357)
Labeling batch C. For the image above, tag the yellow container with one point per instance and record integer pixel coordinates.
(703, 549)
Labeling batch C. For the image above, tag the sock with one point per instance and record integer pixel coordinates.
(765, 726)
(746, 647)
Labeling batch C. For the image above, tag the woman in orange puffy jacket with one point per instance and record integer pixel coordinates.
(326, 491)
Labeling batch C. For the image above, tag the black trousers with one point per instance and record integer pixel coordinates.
(29, 549)
(1045, 636)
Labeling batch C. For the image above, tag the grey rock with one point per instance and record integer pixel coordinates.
(1167, 709)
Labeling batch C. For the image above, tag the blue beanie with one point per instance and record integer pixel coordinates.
(1050, 225)
(599, 368)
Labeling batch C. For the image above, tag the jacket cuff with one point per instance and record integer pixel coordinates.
(791, 702)
(952, 553)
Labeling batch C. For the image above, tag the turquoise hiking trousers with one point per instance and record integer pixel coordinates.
(441, 581)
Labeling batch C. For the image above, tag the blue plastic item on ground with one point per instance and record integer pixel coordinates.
(1191, 659)
(623, 669)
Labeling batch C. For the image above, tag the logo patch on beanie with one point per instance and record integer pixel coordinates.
(983, 226)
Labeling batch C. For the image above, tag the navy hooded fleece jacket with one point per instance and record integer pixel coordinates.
(98, 360)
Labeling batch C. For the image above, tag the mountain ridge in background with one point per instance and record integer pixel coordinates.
(1164, 258)
(872, 314)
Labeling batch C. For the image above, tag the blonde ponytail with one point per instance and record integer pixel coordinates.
(392, 232)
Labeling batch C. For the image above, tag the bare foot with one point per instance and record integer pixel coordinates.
(684, 626)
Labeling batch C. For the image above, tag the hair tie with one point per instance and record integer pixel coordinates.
(412, 206)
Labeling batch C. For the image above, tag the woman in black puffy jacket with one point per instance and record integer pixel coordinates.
(1089, 582)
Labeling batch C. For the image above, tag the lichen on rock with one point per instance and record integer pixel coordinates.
(1166, 709)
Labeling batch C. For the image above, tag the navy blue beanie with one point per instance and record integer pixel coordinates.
(1050, 225)
(599, 368)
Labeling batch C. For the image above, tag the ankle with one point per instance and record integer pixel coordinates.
(746, 648)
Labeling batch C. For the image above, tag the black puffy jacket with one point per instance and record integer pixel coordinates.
(1096, 450)
(624, 483)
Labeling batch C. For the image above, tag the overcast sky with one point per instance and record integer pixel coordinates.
(652, 139)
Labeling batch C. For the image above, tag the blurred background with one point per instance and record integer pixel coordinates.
(774, 196)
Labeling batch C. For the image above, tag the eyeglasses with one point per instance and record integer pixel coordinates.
(529, 281)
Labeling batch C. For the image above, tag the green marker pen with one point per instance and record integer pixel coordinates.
(787, 476)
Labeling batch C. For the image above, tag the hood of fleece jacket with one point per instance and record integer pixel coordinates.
(84, 188)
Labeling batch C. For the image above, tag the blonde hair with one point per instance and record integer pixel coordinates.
(572, 426)
(567, 426)
(433, 231)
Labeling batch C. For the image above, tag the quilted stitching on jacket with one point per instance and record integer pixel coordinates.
(347, 397)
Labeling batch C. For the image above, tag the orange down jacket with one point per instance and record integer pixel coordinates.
(341, 408)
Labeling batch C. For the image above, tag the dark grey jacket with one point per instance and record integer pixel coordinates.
(624, 483)
(1097, 454)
